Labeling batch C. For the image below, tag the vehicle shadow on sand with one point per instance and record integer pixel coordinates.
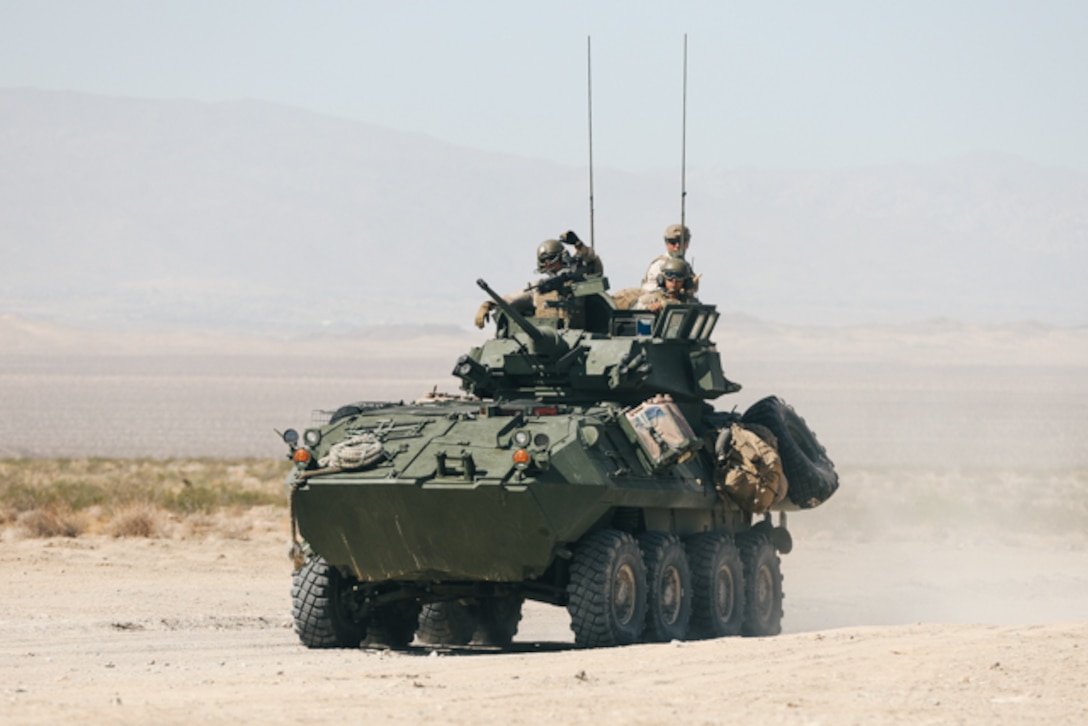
(520, 648)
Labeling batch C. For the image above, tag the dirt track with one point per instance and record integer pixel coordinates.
(173, 631)
(953, 593)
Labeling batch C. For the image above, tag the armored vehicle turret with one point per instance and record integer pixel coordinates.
(582, 466)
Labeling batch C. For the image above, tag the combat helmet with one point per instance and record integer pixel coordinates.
(675, 267)
(548, 251)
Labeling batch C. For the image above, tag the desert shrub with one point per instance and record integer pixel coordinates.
(53, 522)
(191, 499)
(8, 514)
(136, 520)
(130, 497)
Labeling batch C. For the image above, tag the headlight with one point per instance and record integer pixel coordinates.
(521, 437)
(312, 437)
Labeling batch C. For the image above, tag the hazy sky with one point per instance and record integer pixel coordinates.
(770, 84)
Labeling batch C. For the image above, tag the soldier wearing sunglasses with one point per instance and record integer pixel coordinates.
(552, 259)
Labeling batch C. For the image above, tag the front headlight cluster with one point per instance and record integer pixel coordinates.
(312, 437)
(522, 440)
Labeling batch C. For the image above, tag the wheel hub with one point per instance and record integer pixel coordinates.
(623, 594)
(724, 594)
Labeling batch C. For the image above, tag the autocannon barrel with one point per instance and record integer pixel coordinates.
(531, 330)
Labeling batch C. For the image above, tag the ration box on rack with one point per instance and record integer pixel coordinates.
(662, 432)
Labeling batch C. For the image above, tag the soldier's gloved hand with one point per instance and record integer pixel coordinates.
(484, 313)
(570, 238)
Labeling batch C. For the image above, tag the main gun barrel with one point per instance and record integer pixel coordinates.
(531, 330)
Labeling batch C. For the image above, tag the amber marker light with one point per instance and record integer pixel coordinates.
(301, 456)
(521, 458)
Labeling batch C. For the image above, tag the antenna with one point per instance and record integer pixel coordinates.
(684, 145)
(589, 90)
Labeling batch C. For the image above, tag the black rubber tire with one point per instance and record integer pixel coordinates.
(762, 585)
(447, 623)
(393, 626)
(498, 619)
(669, 588)
(811, 475)
(718, 589)
(317, 605)
(607, 590)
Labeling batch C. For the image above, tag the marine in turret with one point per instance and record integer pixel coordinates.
(675, 284)
(555, 263)
(677, 239)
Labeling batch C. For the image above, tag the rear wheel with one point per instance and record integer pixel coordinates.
(668, 580)
(320, 609)
(446, 623)
(607, 590)
(717, 576)
(763, 585)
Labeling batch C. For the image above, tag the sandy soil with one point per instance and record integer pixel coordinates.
(169, 631)
(947, 582)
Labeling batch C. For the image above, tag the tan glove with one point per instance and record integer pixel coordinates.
(484, 313)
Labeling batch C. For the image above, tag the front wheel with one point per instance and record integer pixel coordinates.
(607, 590)
(393, 626)
(498, 621)
(320, 609)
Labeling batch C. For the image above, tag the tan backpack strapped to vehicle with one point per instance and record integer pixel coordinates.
(749, 469)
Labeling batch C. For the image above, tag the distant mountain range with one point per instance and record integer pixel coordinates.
(251, 216)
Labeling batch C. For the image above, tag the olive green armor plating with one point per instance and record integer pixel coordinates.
(582, 450)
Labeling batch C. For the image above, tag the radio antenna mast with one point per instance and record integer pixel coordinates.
(589, 91)
(684, 144)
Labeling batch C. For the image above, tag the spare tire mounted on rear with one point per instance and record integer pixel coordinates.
(811, 475)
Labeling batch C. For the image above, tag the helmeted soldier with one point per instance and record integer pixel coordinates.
(677, 239)
(552, 259)
(675, 284)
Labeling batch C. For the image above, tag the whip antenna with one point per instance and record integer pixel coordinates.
(684, 144)
(589, 91)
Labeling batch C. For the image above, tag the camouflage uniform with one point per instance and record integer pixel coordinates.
(531, 301)
(584, 259)
(673, 270)
(673, 231)
(660, 296)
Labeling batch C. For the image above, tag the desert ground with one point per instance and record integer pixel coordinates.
(946, 582)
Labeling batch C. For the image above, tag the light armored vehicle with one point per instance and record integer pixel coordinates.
(582, 466)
